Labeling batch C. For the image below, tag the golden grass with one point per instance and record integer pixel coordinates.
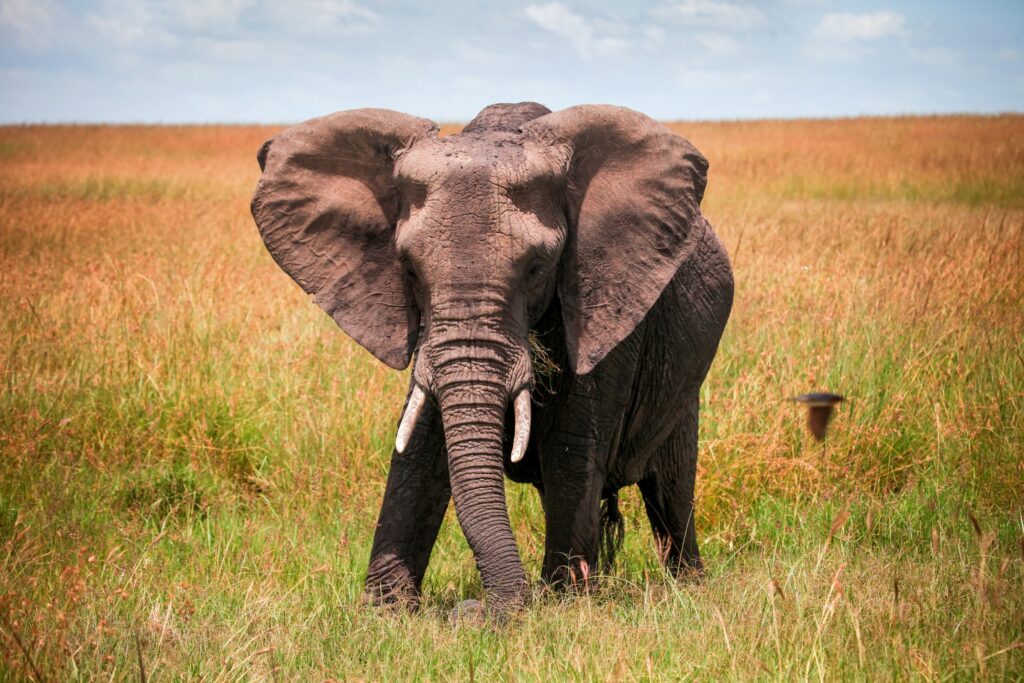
(192, 455)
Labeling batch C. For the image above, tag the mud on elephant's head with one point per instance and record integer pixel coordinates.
(453, 247)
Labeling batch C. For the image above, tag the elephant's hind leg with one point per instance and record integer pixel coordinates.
(572, 516)
(668, 496)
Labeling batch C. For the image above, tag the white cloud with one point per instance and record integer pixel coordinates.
(576, 30)
(723, 16)
(853, 28)
(29, 20)
(720, 44)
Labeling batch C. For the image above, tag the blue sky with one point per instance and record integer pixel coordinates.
(257, 61)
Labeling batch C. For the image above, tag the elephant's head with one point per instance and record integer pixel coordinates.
(451, 247)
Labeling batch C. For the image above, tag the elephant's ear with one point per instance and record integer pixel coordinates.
(326, 207)
(634, 190)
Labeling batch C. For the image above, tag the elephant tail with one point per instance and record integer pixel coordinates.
(613, 530)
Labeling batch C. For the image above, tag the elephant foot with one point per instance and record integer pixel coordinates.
(390, 604)
(390, 584)
(687, 569)
(392, 598)
(574, 577)
(691, 574)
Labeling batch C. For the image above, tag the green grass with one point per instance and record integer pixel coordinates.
(192, 456)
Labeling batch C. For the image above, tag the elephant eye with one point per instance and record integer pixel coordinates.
(413, 194)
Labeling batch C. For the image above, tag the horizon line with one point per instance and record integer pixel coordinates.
(739, 119)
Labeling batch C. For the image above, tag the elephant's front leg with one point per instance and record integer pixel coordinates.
(415, 502)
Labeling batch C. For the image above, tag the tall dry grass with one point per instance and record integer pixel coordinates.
(192, 455)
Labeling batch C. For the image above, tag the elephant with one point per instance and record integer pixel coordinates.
(574, 238)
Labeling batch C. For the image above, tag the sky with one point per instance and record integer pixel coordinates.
(195, 61)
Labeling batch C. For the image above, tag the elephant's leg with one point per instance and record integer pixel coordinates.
(572, 519)
(574, 453)
(578, 435)
(414, 506)
(668, 496)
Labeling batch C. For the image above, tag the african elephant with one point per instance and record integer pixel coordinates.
(577, 234)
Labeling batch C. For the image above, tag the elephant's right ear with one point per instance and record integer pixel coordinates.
(633, 196)
(326, 207)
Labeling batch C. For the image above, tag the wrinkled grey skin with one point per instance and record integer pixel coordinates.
(583, 226)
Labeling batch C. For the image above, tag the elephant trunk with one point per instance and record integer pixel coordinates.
(473, 381)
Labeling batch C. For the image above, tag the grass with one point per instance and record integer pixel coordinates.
(192, 456)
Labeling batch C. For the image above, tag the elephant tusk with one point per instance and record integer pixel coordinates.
(409, 419)
(522, 436)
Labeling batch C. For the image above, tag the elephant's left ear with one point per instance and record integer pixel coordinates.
(634, 190)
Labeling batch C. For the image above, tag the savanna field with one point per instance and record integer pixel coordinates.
(192, 455)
